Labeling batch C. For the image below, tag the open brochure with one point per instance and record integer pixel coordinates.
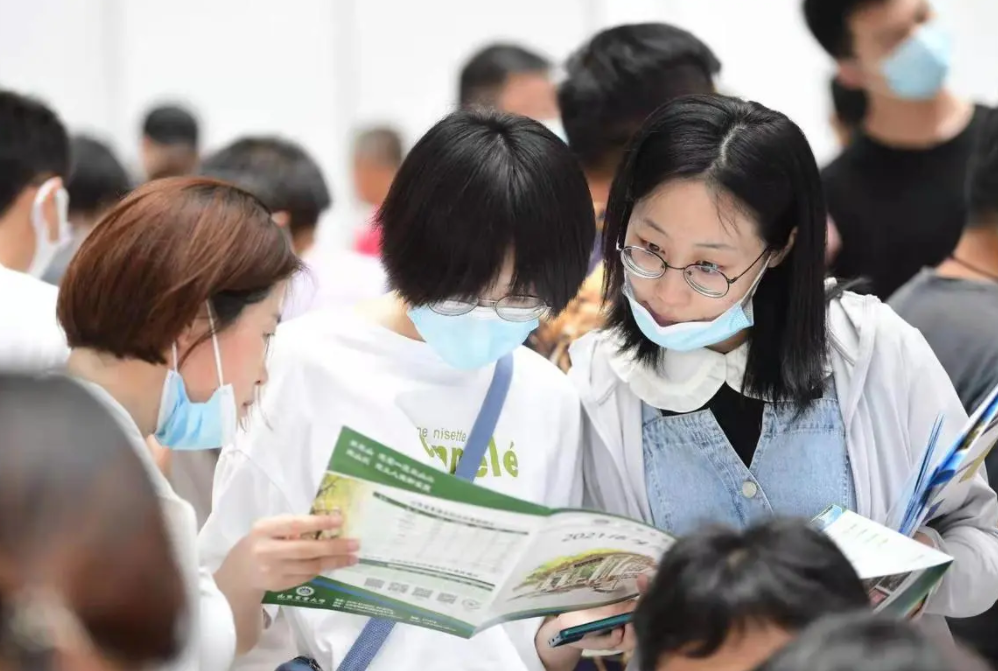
(442, 553)
(940, 472)
(898, 572)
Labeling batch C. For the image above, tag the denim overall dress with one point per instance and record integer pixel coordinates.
(694, 476)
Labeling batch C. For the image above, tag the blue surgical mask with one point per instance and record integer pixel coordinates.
(186, 425)
(689, 336)
(472, 340)
(917, 69)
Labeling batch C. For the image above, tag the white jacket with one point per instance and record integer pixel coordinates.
(890, 388)
(30, 336)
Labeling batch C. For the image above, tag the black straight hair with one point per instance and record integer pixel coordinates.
(828, 21)
(97, 179)
(982, 175)
(761, 160)
(278, 172)
(720, 582)
(486, 72)
(33, 145)
(619, 77)
(867, 642)
(171, 125)
(481, 185)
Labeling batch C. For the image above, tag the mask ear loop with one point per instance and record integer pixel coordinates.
(214, 342)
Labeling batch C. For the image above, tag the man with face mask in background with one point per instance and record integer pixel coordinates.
(896, 193)
(34, 158)
(511, 79)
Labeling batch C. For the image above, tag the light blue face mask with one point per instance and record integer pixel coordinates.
(471, 340)
(185, 425)
(917, 69)
(689, 336)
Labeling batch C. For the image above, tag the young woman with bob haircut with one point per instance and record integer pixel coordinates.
(731, 383)
(487, 228)
(168, 307)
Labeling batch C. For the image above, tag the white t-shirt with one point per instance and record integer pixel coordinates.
(334, 279)
(30, 336)
(210, 630)
(328, 370)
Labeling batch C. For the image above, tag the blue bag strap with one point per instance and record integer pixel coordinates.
(376, 631)
(485, 423)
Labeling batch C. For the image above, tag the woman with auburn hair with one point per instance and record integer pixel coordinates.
(168, 309)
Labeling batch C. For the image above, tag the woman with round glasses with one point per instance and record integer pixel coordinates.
(731, 383)
(488, 227)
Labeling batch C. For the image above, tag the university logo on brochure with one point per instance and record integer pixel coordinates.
(447, 446)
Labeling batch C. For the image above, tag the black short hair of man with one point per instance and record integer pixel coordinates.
(278, 172)
(486, 72)
(719, 582)
(828, 21)
(868, 642)
(381, 144)
(97, 180)
(849, 104)
(982, 175)
(623, 74)
(34, 145)
(171, 125)
(478, 186)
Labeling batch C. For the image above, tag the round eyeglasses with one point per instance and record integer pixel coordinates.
(509, 308)
(703, 278)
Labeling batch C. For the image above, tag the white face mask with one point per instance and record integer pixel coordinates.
(45, 247)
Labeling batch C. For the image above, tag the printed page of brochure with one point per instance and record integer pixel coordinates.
(580, 560)
(897, 571)
(433, 547)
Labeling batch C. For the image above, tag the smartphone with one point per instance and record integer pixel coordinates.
(599, 627)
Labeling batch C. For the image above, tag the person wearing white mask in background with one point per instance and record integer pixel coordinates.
(733, 384)
(169, 305)
(34, 160)
(896, 193)
(510, 78)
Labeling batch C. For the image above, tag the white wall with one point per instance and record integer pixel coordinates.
(314, 70)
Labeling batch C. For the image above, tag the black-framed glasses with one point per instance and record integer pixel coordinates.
(703, 278)
(511, 308)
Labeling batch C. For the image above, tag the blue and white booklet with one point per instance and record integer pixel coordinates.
(944, 468)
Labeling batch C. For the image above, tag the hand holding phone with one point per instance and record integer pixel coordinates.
(601, 628)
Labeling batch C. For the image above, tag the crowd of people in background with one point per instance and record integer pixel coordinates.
(702, 328)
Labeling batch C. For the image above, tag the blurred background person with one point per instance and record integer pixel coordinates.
(283, 175)
(34, 160)
(848, 112)
(97, 180)
(866, 642)
(955, 306)
(513, 79)
(377, 155)
(170, 136)
(612, 83)
(87, 576)
(896, 192)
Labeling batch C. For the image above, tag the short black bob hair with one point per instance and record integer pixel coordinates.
(867, 642)
(720, 582)
(278, 172)
(828, 21)
(478, 186)
(619, 77)
(762, 161)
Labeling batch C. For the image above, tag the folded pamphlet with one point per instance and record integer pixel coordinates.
(941, 472)
(442, 553)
